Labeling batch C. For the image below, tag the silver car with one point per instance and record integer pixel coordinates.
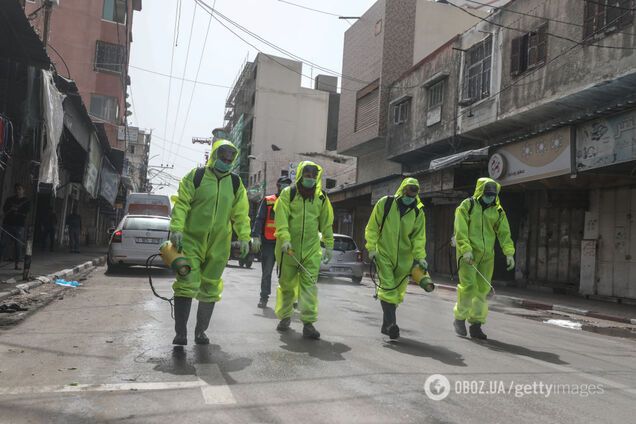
(346, 261)
(135, 238)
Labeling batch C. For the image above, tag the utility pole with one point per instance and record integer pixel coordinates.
(35, 164)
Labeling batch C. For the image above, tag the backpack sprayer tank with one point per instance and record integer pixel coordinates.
(175, 260)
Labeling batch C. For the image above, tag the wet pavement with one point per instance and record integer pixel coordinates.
(103, 354)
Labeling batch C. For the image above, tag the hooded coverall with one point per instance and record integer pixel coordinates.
(475, 231)
(398, 243)
(301, 221)
(205, 216)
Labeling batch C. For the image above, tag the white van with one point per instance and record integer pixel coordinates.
(148, 204)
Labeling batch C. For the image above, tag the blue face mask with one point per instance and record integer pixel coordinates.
(221, 166)
(309, 182)
(408, 200)
(488, 199)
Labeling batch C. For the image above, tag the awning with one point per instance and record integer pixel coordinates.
(458, 158)
(18, 40)
(109, 182)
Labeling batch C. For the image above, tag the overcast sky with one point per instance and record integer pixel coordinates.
(315, 36)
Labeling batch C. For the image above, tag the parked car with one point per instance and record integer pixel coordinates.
(346, 260)
(148, 204)
(135, 239)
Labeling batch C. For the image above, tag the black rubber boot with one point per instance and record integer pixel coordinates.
(262, 303)
(204, 313)
(310, 332)
(460, 327)
(389, 324)
(181, 313)
(476, 333)
(283, 325)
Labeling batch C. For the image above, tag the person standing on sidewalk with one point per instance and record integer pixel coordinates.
(396, 238)
(478, 221)
(303, 212)
(210, 203)
(74, 224)
(16, 208)
(264, 238)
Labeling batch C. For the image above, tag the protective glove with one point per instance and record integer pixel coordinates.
(468, 258)
(245, 248)
(176, 238)
(372, 254)
(422, 263)
(256, 244)
(286, 247)
(510, 261)
(327, 255)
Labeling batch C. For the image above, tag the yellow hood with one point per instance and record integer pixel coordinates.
(407, 182)
(215, 147)
(299, 173)
(481, 186)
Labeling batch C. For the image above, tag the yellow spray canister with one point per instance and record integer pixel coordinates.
(422, 278)
(173, 259)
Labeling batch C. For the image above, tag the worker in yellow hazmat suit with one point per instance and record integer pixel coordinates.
(396, 238)
(210, 203)
(303, 212)
(478, 221)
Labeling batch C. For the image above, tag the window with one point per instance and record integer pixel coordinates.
(367, 106)
(284, 173)
(344, 244)
(147, 224)
(401, 112)
(607, 16)
(477, 71)
(109, 57)
(114, 11)
(104, 107)
(131, 149)
(529, 51)
(436, 94)
(330, 183)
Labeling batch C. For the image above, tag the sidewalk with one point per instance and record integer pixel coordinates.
(532, 299)
(45, 262)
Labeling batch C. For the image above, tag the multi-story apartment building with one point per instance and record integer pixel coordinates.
(383, 44)
(547, 107)
(276, 122)
(136, 161)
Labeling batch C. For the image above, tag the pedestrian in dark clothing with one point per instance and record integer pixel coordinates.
(49, 225)
(263, 239)
(16, 208)
(74, 224)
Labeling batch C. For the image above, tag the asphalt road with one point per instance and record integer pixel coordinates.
(103, 354)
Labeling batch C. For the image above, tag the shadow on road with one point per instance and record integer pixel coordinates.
(320, 349)
(498, 346)
(139, 271)
(337, 281)
(417, 348)
(182, 361)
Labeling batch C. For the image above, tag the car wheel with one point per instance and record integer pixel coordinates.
(356, 280)
(111, 267)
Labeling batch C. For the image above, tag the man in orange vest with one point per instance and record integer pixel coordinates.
(263, 235)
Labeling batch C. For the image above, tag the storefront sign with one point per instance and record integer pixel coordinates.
(437, 181)
(606, 141)
(109, 182)
(132, 134)
(544, 156)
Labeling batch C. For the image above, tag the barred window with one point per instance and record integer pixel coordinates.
(529, 51)
(477, 67)
(109, 57)
(607, 16)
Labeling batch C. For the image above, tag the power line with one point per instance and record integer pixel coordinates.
(196, 77)
(309, 8)
(547, 33)
(165, 121)
(180, 79)
(539, 17)
(185, 67)
(631, 9)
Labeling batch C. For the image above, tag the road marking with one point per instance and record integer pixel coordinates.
(216, 391)
(113, 387)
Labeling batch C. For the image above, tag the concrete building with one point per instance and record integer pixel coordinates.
(548, 108)
(383, 44)
(276, 123)
(136, 160)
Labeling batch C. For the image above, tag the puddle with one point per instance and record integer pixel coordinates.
(565, 323)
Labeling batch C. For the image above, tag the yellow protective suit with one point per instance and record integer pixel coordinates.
(476, 227)
(398, 243)
(301, 221)
(205, 216)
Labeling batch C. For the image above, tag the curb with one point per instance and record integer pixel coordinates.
(531, 304)
(65, 273)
